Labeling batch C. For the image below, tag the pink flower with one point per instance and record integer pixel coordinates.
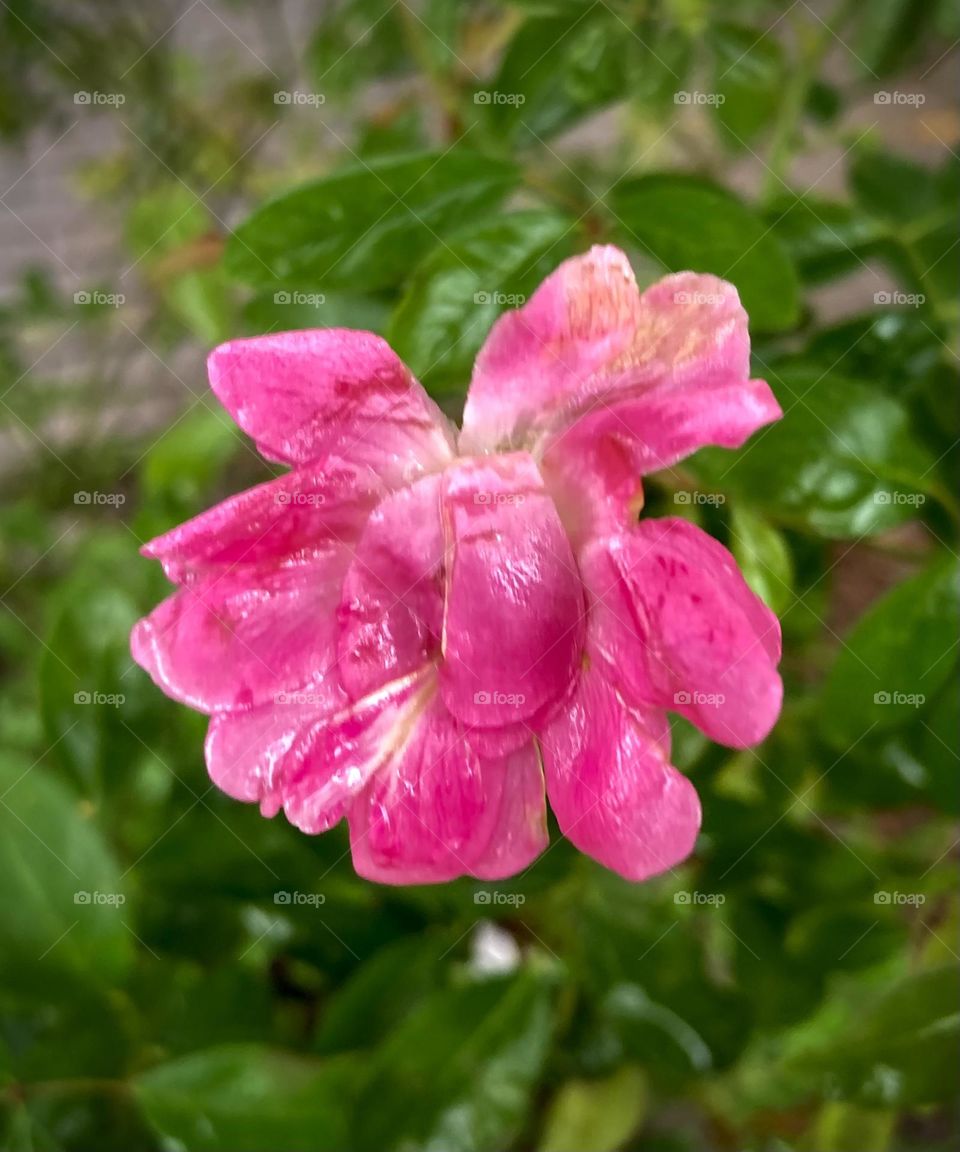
(415, 631)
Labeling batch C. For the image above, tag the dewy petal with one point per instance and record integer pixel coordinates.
(340, 754)
(391, 613)
(237, 639)
(513, 629)
(677, 626)
(285, 520)
(591, 375)
(304, 396)
(250, 754)
(436, 809)
(611, 785)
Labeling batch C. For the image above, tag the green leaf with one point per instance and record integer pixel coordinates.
(748, 79)
(688, 223)
(459, 290)
(897, 657)
(363, 226)
(62, 898)
(470, 1059)
(763, 555)
(825, 238)
(600, 1115)
(247, 1098)
(842, 462)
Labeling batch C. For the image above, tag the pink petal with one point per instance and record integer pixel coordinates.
(437, 810)
(237, 639)
(304, 396)
(250, 754)
(286, 519)
(611, 785)
(339, 755)
(391, 614)
(592, 467)
(513, 630)
(600, 381)
(538, 358)
(678, 628)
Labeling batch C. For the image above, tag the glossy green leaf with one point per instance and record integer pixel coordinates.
(688, 223)
(457, 292)
(63, 900)
(763, 555)
(246, 1098)
(363, 226)
(897, 657)
(747, 81)
(843, 460)
(471, 1058)
(600, 1115)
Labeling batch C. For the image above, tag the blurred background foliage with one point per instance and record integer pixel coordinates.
(412, 168)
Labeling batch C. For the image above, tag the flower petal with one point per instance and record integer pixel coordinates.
(598, 380)
(250, 754)
(611, 785)
(678, 627)
(513, 630)
(304, 396)
(340, 753)
(285, 520)
(237, 639)
(391, 613)
(437, 809)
